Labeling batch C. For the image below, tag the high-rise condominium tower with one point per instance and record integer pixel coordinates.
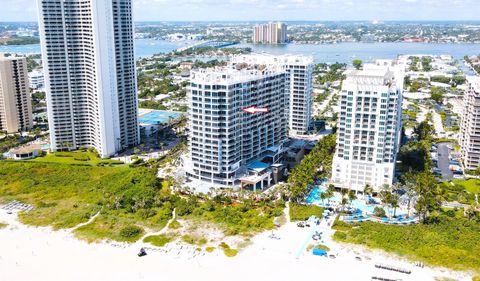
(224, 136)
(89, 64)
(470, 127)
(369, 128)
(270, 33)
(299, 70)
(15, 102)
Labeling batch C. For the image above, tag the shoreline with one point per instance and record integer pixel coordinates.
(39, 253)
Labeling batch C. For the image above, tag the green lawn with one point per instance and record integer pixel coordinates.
(453, 243)
(75, 158)
(301, 212)
(471, 185)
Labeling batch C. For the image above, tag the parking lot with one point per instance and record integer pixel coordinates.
(446, 163)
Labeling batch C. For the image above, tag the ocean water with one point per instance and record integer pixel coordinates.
(329, 53)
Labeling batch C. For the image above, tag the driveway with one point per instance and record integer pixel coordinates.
(444, 161)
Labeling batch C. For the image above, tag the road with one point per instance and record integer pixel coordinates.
(444, 161)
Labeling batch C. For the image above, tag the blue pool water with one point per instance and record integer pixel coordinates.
(157, 117)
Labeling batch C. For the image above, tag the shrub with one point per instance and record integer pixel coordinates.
(202, 241)
(224, 245)
(3, 225)
(81, 157)
(340, 236)
(322, 247)
(210, 249)
(379, 212)
(188, 239)
(302, 212)
(158, 240)
(230, 252)
(174, 225)
(450, 242)
(131, 231)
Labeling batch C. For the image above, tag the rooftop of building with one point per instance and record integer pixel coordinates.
(374, 74)
(9, 57)
(272, 59)
(232, 74)
(26, 149)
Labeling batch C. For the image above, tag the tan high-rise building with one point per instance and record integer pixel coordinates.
(270, 33)
(15, 101)
(470, 126)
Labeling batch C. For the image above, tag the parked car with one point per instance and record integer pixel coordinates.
(458, 175)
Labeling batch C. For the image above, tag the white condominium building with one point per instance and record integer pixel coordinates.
(89, 67)
(237, 116)
(270, 33)
(299, 79)
(369, 128)
(36, 79)
(15, 102)
(470, 125)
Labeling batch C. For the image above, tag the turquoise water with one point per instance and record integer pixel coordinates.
(342, 52)
(158, 117)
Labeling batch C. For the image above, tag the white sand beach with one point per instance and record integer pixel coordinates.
(29, 253)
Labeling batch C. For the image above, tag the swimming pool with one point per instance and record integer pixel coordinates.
(157, 117)
(358, 204)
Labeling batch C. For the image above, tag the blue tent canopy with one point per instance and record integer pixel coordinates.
(319, 252)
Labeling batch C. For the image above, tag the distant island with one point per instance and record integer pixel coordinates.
(19, 41)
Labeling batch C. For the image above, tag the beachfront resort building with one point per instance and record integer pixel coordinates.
(369, 128)
(15, 102)
(299, 70)
(270, 33)
(470, 125)
(238, 118)
(89, 68)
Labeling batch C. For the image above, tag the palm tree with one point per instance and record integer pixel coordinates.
(384, 197)
(324, 196)
(367, 190)
(351, 196)
(344, 202)
(331, 188)
(410, 195)
(328, 195)
(394, 200)
(386, 187)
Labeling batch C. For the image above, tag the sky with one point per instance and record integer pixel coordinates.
(286, 10)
